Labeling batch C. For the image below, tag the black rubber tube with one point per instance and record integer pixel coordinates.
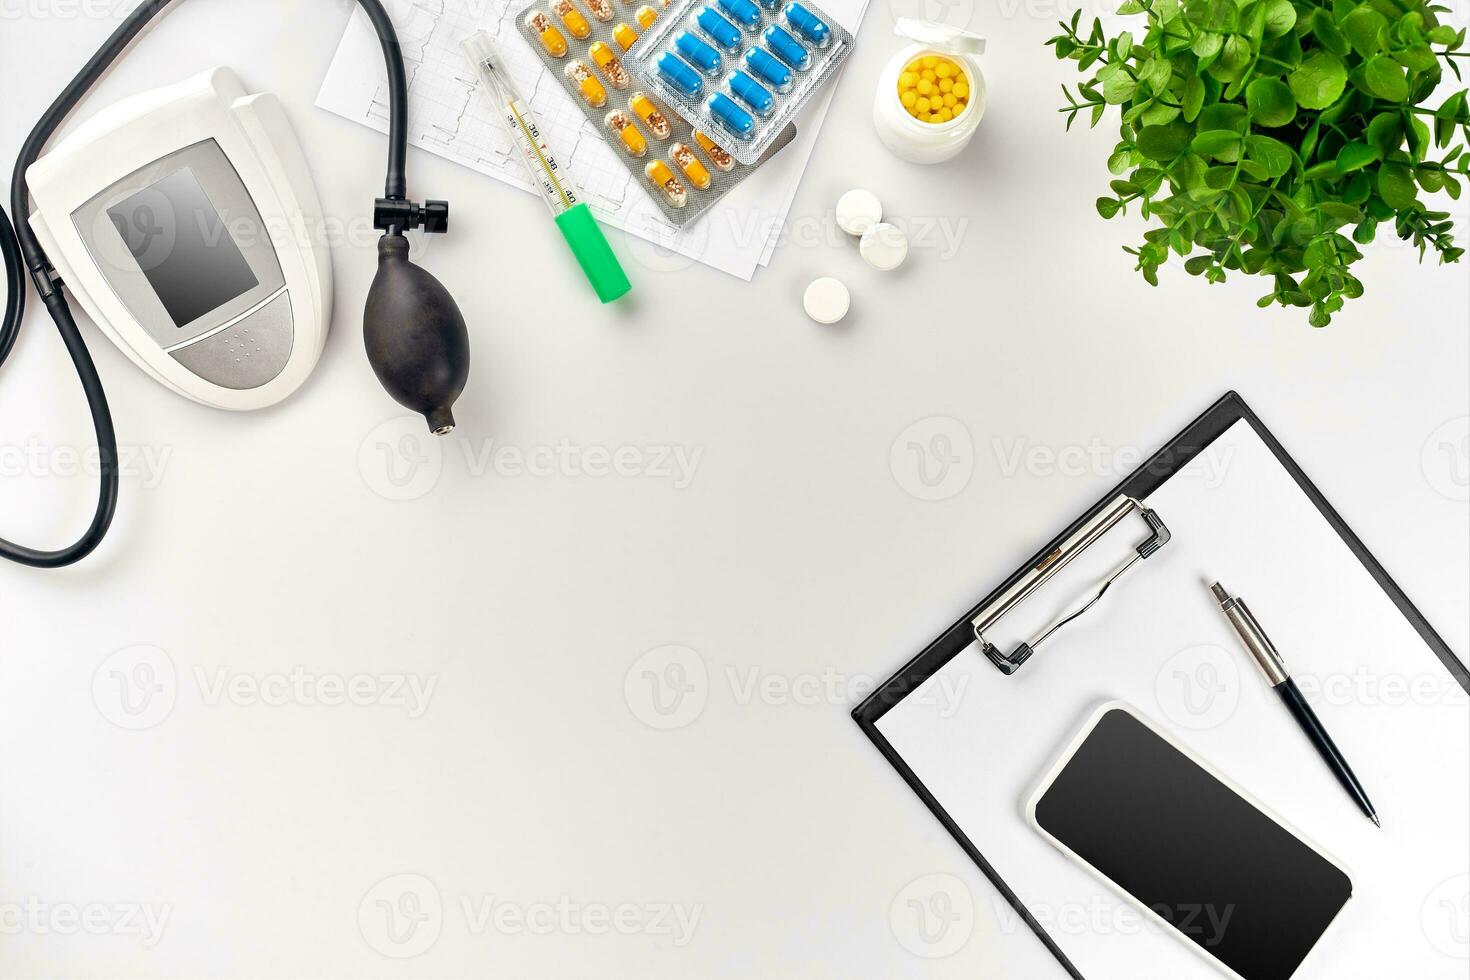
(24, 257)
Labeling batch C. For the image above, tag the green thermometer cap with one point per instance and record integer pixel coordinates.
(593, 253)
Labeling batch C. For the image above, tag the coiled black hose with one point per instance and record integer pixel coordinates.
(24, 258)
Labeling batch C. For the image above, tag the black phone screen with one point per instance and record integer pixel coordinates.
(1225, 875)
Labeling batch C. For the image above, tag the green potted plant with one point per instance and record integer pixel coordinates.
(1272, 137)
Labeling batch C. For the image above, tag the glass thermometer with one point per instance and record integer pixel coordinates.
(572, 216)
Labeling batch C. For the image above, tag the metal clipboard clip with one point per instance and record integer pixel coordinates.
(1055, 560)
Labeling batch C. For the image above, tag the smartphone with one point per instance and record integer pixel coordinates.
(1191, 849)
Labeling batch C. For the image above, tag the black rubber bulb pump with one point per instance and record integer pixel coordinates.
(416, 338)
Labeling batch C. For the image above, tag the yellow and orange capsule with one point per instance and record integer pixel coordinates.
(612, 69)
(644, 109)
(618, 123)
(587, 83)
(659, 174)
(694, 171)
(625, 35)
(601, 9)
(551, 39)
(717, 154)
(571, 18)
(645, 15)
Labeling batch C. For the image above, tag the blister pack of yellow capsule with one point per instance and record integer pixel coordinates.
(583, 43)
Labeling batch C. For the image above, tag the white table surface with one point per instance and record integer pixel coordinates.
(262, 567)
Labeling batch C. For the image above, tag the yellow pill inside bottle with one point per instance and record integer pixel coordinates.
(937, 93)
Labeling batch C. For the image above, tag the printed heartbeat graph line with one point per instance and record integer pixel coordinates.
(448, 115)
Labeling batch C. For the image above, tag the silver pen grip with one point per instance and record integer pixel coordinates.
(1257, 643)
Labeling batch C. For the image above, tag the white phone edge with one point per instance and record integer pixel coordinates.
(1071, 749)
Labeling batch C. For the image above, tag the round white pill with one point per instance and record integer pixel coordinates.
(884, 247)
(858, 210)
(826, 300)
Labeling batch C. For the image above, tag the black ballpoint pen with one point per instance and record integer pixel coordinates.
(1273, 669)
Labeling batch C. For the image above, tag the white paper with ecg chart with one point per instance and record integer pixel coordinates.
(448, 117)
(1158, 641)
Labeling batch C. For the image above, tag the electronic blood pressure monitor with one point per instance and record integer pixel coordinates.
(186, 223)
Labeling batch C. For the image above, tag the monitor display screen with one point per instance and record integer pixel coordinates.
(183, 247)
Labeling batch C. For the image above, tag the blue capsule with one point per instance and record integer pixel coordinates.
(770, 4)
(728, 113)
(698, 54)
(769, 68)
(787, 48)
(676, 72)
(743, 12)
(720, 30)
(751, 92)
(808, 24)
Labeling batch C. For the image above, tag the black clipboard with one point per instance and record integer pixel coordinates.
(958, 638)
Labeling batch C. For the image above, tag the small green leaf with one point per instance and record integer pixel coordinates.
(1108, 206)
(1163, 143)
(1385, 78)
(1385, 133)
(1396, 185)
(1339, 214)
(1235, 55)
(1224, 115)
(1366, 30)
(1271, 102)
(1270, 153)
(1118, 87)
(1319, 82)
(1280, 17)
(1355, 156)
(1212, 141)
(1193, 97)
(1206, 44)
(1327, 34)
(1416, 57)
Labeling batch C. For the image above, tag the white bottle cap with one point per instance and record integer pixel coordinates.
(826, 300)
(858, 210)
(884, 247)
(940, 37)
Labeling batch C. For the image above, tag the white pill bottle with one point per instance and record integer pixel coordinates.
(915, 140)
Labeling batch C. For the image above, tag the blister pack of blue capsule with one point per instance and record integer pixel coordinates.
(741, 68)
